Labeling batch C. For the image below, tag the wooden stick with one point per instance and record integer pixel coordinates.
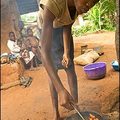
(8, 85)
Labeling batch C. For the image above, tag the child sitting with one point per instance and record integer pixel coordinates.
(26, 54)
(12, 45)
(34, 41)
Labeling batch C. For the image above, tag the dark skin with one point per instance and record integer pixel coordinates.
(12, 37)
(27, 45)
(30, 33)
(34, 43)
(56, 86)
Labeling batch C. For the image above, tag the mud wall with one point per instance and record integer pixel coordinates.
(9, 21)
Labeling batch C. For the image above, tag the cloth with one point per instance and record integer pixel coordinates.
(25, 81)
(60, 9)
(28, 56)
(12, 56)
(13, 47)
(58, 49)
(4, 54)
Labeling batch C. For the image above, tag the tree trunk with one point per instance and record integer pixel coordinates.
(117, 30)
(9, 11)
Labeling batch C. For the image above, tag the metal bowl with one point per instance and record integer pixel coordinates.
(86, 116)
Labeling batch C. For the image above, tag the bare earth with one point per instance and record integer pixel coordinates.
(34, 102)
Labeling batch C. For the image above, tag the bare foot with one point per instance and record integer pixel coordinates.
(32, 68)
(61, 118)
(58, 117)
(37, 68)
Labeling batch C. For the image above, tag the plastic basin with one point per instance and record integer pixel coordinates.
(95, 70)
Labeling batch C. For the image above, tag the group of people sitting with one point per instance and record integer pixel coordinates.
(25, 48)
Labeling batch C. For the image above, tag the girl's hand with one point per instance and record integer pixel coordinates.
(66, 60)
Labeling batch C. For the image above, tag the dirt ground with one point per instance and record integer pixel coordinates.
(34, 102)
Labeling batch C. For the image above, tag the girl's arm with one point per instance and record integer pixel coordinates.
(66, 41)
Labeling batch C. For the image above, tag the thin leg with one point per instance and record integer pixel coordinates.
(31, 65)
(72, 81)
(54, 97)
(36, 63)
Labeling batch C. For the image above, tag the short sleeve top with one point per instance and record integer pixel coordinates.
(60, 9)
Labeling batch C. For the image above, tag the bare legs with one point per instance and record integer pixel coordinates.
(72, 81)
(54, 97)
(31, 65)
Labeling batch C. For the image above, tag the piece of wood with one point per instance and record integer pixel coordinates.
(8, 85)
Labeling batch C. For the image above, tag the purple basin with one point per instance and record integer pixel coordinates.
(95, 70)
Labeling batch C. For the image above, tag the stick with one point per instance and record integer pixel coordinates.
(77, 110)
(8, 85)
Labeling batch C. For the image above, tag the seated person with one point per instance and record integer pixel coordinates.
(12, 45)
(26, 53)
(34, 41)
